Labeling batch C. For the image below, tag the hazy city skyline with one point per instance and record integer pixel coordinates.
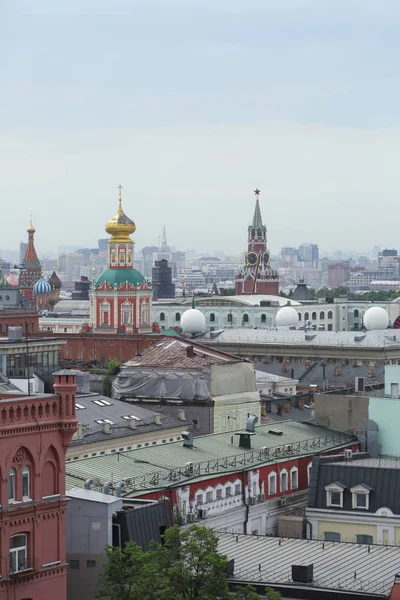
(192, 107)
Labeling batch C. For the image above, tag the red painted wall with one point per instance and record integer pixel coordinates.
(16, 318)
(38, 430)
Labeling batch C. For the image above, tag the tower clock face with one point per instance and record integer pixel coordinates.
(266, 258)
(252, 259)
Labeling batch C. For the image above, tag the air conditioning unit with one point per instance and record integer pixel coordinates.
(348, 454)
(252, 500)
(202, 513)
(283, 501)
(191, 517)
(261, 497)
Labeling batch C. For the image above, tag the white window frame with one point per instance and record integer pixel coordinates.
(272, 477)
(334, 488)
(362, 490)
(294, 472)
(15, 552)
(309, 468)
(282, 474)
(200, 497)
(11, 485)
(105, 307)
(26, 475)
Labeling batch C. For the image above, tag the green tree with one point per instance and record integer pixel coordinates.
(271, 594)
(112, 367)
(249, 593)
(187, 566)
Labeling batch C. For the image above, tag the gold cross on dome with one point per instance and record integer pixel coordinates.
(120, 191)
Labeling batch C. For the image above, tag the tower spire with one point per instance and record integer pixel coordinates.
(257, 220)
(164, 239)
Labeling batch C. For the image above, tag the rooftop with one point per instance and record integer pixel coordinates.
(278, 337)
(337, 566)
(155, 467)
(94, 410)
(176, 354)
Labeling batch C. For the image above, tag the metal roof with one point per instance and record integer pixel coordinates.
(175, 354)
(92, 408)
(165, 465)
(382, 476)
(289, 337)
(337, 566)
(74, 307)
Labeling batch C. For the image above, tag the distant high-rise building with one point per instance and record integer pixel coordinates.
(22, 249)
(161, 280)
(147, 258)
(309, 255)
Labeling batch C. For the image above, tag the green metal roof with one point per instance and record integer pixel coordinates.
(161, 466)
(116, 277)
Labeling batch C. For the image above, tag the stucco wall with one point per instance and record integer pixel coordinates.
(341, 412)
(348, 531)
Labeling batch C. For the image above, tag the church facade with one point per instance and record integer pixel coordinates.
(31, 270)
(257, 277)
(120, 298)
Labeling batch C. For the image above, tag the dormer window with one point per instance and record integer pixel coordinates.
(334, 495)
(360, 496)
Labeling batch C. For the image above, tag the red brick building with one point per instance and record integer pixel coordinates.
(257, 277)
(15, 317)
(35, 432)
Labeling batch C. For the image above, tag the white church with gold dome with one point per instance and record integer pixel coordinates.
(120, 298)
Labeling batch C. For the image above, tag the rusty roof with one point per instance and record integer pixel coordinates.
(173, 353)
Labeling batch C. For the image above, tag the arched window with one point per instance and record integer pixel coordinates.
(178, 317)
(272, 484)
(11, 485)
(212, 318)
(294, 478)
(245, 318)
(65, 330)
(18, 553)
(263, 318)
(330, 314)
(230, 318)
(162, 316)
(322, 315)
(356, 313)
(26, 482)
(299, 316)
(284, 480)
(314, 316)
(306, 316)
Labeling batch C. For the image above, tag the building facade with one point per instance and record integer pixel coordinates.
(241, 480)
(120, 300)
(32, 548)
(257, 277)
(353, 498)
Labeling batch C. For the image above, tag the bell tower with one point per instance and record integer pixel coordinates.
(257, 277)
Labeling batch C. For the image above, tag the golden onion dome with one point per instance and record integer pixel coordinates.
(31, 228)
(120, 227)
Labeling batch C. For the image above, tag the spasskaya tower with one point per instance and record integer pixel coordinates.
(257, 277)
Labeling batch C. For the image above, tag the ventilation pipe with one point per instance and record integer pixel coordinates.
(88, 484)
(107, 486)
(119, 487)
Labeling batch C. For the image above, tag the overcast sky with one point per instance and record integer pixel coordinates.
(192, 104)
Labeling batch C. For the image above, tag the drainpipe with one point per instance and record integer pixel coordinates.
(309, 529)
(246, 520)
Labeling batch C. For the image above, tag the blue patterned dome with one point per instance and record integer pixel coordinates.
(42, 287)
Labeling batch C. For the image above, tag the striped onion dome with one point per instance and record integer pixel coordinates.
(42, 287)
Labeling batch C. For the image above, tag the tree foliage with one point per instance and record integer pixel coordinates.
(187, 566)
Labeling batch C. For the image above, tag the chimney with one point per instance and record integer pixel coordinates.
(190, 352)
(132, 423)
(245, 440)
(79, 433)
(187, 439)
(157, 419)
(181, 415)
(106, 427)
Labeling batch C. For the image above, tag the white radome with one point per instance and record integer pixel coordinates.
(193, 321)
(376, 318)
(286, 317)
